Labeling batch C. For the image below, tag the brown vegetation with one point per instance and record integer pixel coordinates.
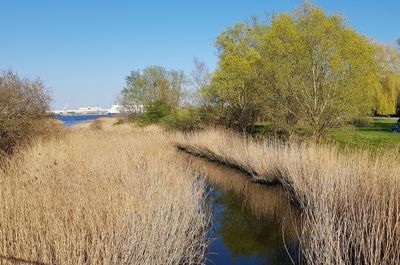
(23, 111)
(101, 196)
(350, 201)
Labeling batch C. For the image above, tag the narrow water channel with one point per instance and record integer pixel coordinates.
(252, 223)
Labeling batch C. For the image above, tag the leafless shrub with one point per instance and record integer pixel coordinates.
(23, 110)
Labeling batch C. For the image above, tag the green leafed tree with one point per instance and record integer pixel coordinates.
(317, 70)
(306, 67)
(153, 84)
(235, 88)
(387, 92)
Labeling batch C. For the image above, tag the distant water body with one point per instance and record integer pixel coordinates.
(71, 120)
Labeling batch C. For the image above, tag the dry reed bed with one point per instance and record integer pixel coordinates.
(96, 197)
(350, 201)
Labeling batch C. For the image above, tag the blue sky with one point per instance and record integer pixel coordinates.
(83, 49)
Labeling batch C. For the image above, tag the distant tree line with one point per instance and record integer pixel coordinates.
(304, 68)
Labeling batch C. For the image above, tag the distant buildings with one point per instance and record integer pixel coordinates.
(82, 111)
(115, 109)
(121, 109)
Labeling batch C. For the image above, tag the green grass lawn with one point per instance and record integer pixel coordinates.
(379, 135)
(376, 136)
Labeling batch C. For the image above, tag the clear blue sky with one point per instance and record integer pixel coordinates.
(84, 49)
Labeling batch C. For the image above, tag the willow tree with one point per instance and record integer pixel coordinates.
(235, 85)
(319, 70)
(388, 90)
(152, 84)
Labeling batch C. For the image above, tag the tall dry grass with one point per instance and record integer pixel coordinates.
(350, 200)
(100, 196)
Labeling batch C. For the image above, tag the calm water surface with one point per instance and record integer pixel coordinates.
(70, 120)
(252, 223)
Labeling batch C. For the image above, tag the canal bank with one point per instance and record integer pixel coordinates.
(251, 223)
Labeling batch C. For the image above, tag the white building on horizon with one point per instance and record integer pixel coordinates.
(115, 109)
(82, 111)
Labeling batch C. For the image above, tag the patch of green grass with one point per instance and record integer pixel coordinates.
(379, 135)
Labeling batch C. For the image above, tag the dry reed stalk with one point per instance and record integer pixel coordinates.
(350, 200)
(96, 197)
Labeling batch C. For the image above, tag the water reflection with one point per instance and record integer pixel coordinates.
(253, 223)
